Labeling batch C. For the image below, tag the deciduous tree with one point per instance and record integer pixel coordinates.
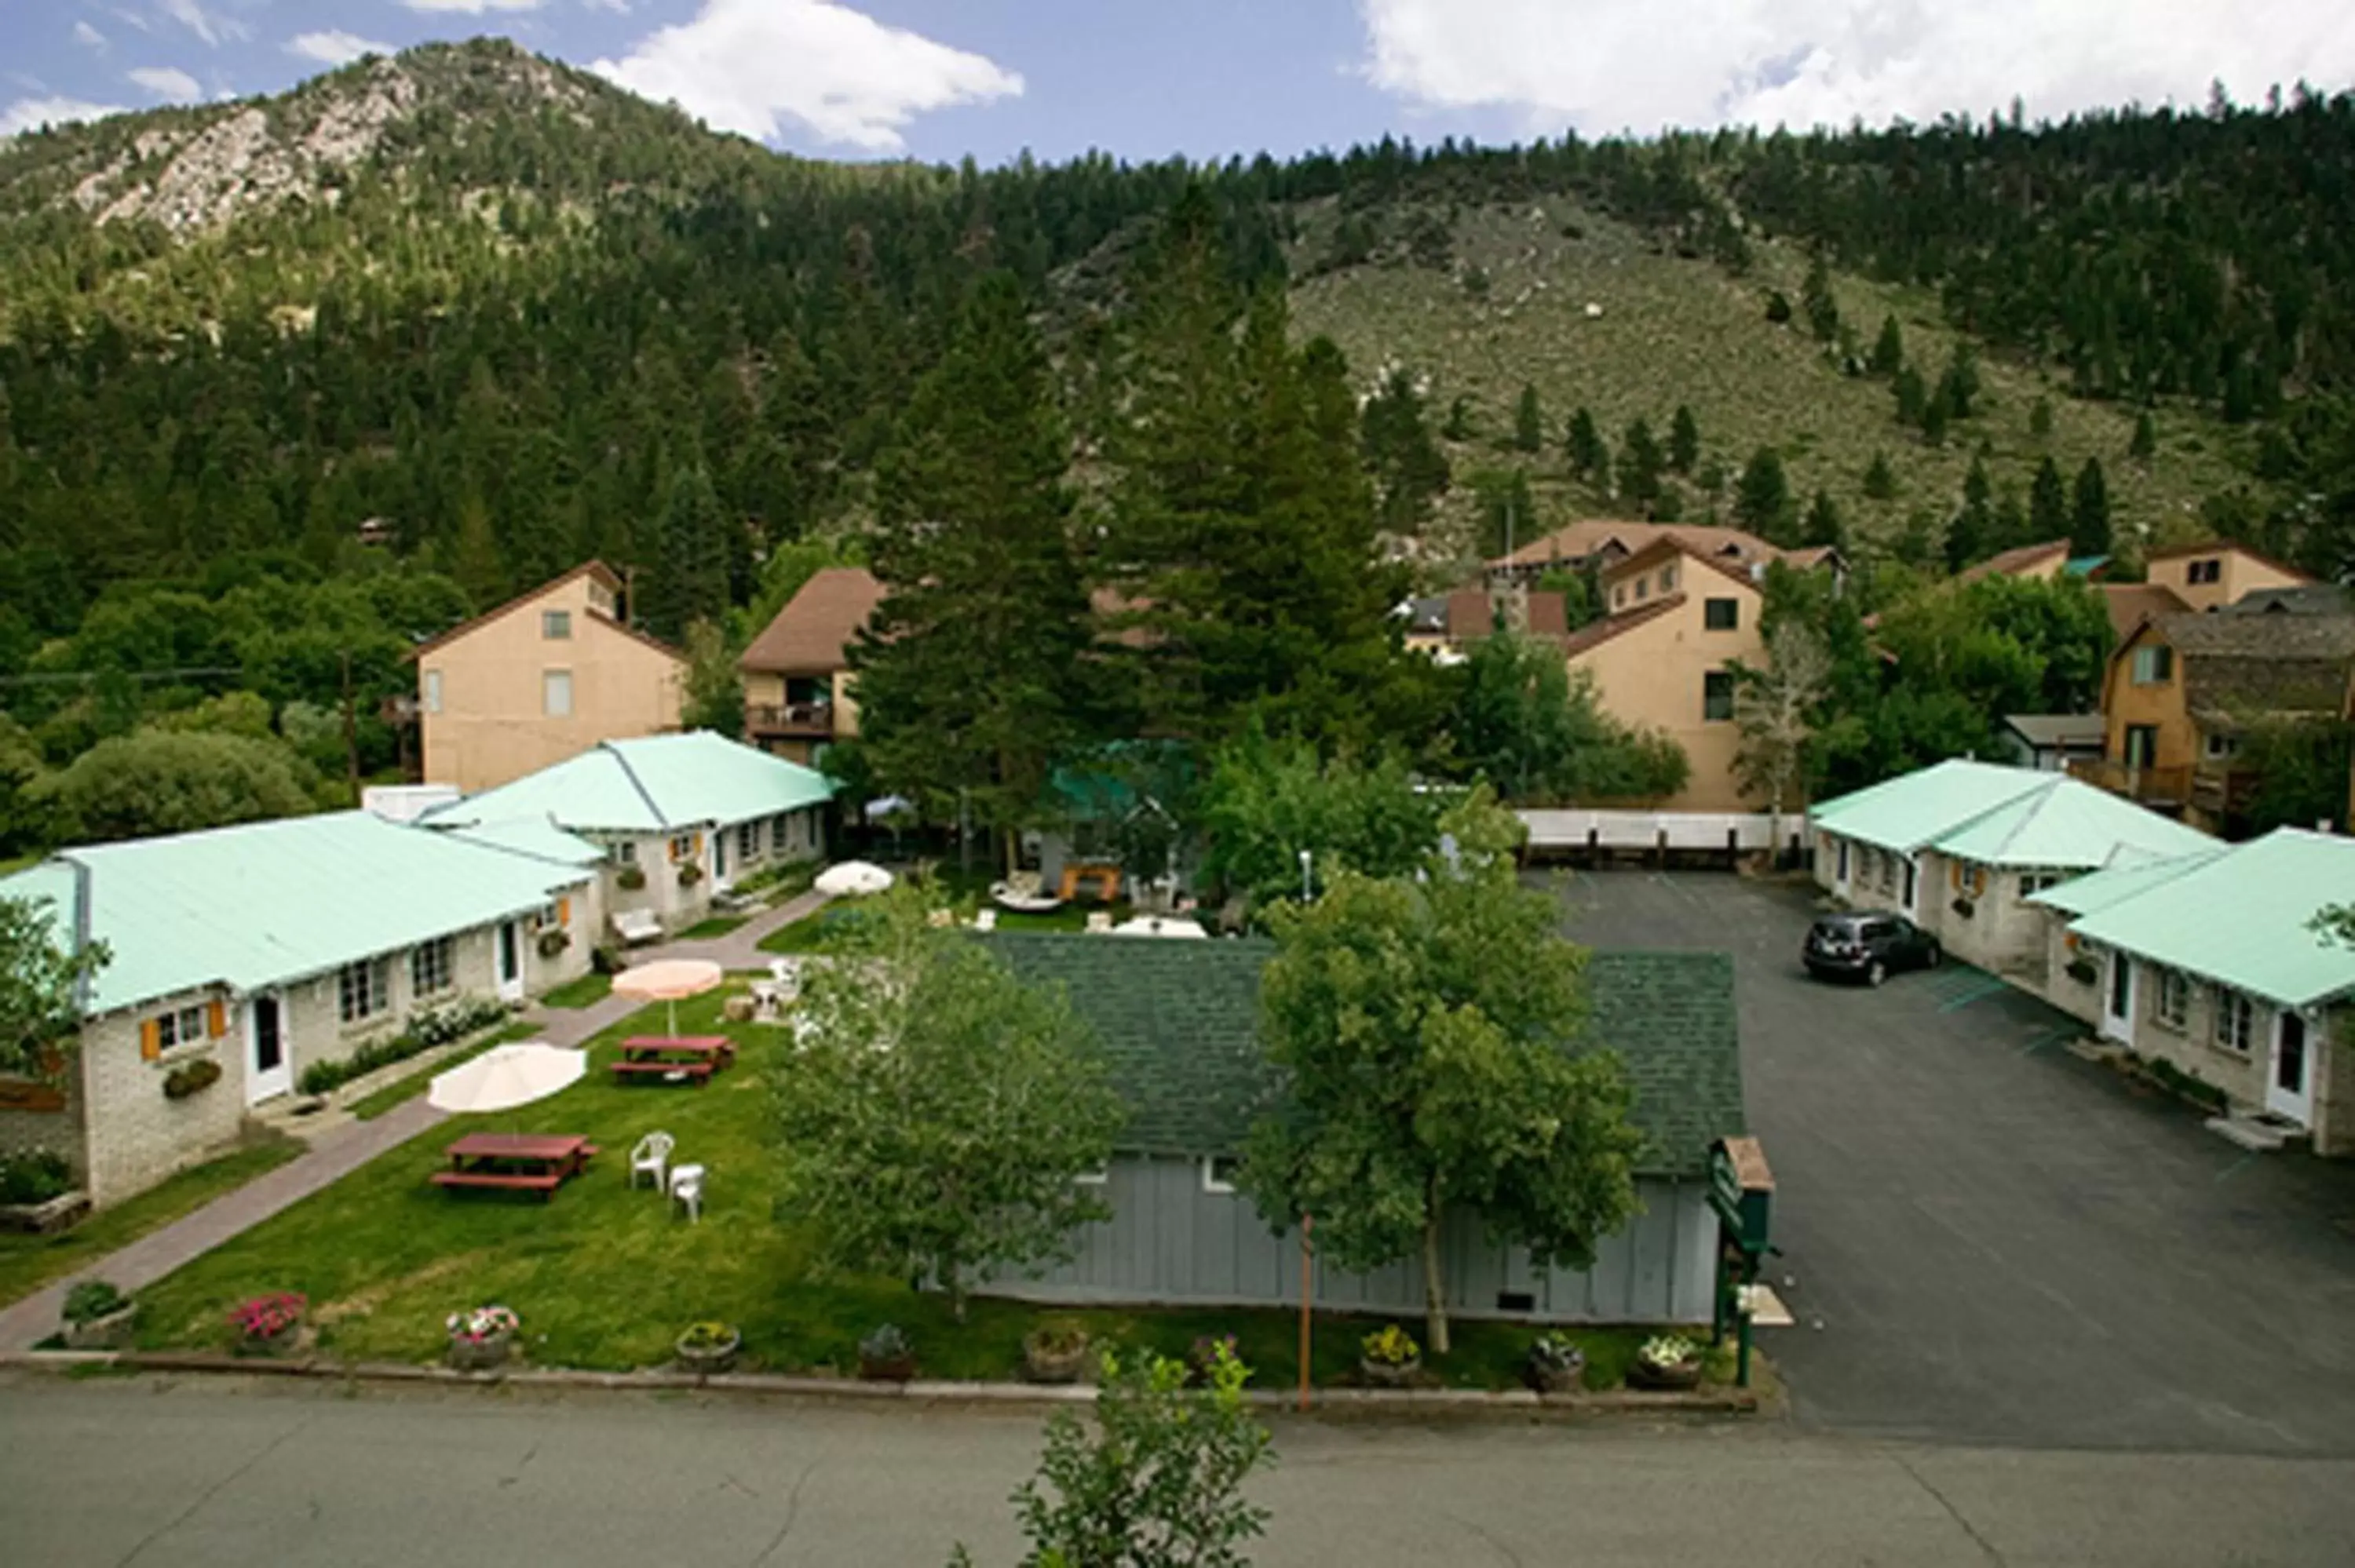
(41, 980)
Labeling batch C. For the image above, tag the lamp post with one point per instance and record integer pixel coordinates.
(1307, 894)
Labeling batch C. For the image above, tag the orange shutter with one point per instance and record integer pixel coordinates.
(151, 1039)
(217, 1019)
(564, 912)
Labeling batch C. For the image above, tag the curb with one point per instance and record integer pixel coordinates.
(1516, 1403)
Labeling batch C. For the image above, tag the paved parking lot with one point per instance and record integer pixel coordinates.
(1993, 1241)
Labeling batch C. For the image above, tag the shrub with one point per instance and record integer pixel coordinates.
(93, 1299)
(191, 1078)
(34, 1176)
(428, 1028)
(605, 959)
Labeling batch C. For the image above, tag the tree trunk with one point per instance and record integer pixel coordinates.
(1434, 1287)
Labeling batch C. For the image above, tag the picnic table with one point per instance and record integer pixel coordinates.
(515, 1161)
(673, 1058)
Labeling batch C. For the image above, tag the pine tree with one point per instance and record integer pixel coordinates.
(1458, 426)
(1934, 416)
(1960, 384)
(474, 559)
(1640, 463)
(2048, 504)
(1816, 299)
(1973, 527)
(1684, 440)
(688, 580)
(1528, 422)
(2039, 419)
(1409, 471)
(1823, 525)
(2145, 445)
(2089, 511)
(1584, 446)
(1912, 396)
(1889, 349)
(1880, 480)
(1762, 499)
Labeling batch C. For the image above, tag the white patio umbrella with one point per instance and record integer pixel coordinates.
(667, 979)
(1160, 926)
(853, 879)
(506, 1076)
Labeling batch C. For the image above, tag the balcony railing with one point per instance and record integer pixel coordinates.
(2155, 787)
(790, 718)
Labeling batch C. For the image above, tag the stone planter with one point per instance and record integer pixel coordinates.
(486, 1354)
(709, 1361)
(40, 1219)
(1390, 1374)
(1555, 1377)
(892, 1369)
(1042, 1364)
(111, 1332)
(287, 1341)
(1685, 1374)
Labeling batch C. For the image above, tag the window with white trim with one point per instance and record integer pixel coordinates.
(2154, 666)
(2236, 1021)
(748, 841)
(180, 1027)
(781, 832)
(682, 847)
(2170, 1000)
(625, 852)
(1219, 1173)
(2032, 882)
(556, 692)
(556, 625)
(432, 691)
(432, 966)
(363, 990)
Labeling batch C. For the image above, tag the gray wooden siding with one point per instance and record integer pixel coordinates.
(1172, 1244)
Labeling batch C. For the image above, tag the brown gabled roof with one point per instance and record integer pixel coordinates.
(2226, 547)
(1582, 539)
(1677, 543)
(2016, 560)
(1595, 633)
(598, 569)
(810, 635)
(2130, 604)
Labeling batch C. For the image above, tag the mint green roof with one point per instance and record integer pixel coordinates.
(2116, 884)
(538, 837)
(2000, 815)
(648, 785)
(268, 902)
(2240, 919)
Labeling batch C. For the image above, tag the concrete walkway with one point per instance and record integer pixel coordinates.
(341, 1150)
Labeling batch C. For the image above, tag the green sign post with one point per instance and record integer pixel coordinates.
(1742, 1193)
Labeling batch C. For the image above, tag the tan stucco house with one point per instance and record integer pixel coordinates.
(2218, 572)
(1595, 544)
(798, 680)
(542, 677)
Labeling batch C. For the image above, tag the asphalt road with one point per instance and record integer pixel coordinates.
(1995, 1242)
(219, 1475)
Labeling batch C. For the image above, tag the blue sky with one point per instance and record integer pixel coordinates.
(945, 79)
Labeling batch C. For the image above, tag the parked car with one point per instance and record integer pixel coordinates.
(1868, 947)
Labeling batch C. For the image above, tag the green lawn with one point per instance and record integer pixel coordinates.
(717, 926)
(369, 1107)
(605, 1278)
(28, 1262)
(587, 991)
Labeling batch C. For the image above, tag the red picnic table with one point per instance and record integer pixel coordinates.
(673, 1058)
(515, 1161)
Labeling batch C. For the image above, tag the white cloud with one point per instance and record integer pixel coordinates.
(1611, 65)
(618, 8)
(166, 82)
(473, 7)
(88, 37)
(30, 114)
(335, 48)
(747, 65)
(209, 25)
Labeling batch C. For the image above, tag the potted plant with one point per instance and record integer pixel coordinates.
(1055, 1352)
(1964, 906)
(98, 1317)
(2081, 970)
(1555, 1364)
(37, 1191)
(1665, 1361)
(690, 873)
(1390, 1358)
(191, 1078)
(1202, 1358)
(269, 1325)
(886, 1356)
(554, 940)
(479, 1340)
(709, 1348)
(630, 878)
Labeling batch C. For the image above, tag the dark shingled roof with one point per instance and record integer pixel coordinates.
(2250, 666)
(1179, 1021)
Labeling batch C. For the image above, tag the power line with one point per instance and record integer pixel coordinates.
(59, 677)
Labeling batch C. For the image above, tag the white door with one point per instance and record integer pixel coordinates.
(2289, 1087)
(2117, 1000)
(268, 1071)
(511, 962)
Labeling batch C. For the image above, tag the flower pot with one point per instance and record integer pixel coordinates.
(486, 1354)
(1555, 1377)
(1048, 1365)
(283, 1343)
(707, 1360)
(1642, 1373)
(1390, 1374)
(46, 1217)
(887, 1368)
(111, 1332)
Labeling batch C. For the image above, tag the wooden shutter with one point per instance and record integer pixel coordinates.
(151, 1039)
(564, 912)
(216, 1018)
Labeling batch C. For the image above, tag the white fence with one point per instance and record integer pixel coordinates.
(1738, 831)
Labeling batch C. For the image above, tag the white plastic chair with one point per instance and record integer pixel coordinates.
(651, 1156)
(986, 920)
(1099, 921)
(686, 1187)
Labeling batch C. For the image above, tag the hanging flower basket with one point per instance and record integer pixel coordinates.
(480, 1340)
(628, 879)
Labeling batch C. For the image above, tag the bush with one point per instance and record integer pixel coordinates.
(35, 1176)
(427, 1029)
(93, 1299)
(191, 1078)
(605, 959)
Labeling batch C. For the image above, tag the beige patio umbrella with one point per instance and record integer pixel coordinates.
(667, 979)
(853, 879)
(506, 1076)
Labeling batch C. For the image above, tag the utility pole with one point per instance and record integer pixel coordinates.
(351, 733)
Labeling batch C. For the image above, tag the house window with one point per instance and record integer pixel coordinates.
(363, 990)
(748, 841)
(781, 830)
(431, 965)
(1618, 596)
(625, 852)
(549, 918)
(2216, 747)
(2154, 666)
(1643, 590)
(1721, 614)
(179, 1027)
(432, 691)
(2236, 1022)
(1717, 695)
(2211, 570)
(556, 692)
(683, 847)
(1219, 1173)
(2142, 744)
(1668, 578)
(2032, 882)
(556, 625)
(2170, 1004)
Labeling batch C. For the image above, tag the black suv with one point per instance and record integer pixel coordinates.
(1870, 945)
